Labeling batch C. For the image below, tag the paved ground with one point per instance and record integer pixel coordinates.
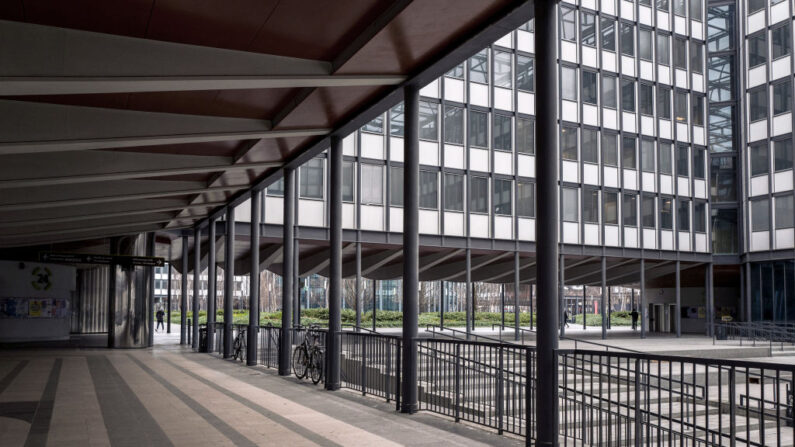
(170, 396)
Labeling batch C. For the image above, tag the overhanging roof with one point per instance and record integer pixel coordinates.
(129, 116)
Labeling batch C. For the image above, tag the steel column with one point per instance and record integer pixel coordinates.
(168, 292)
(212, 286)
(441, 306)
(183, 299)
(678, 308)
(643, 304)
(375, 303)
(562, 295)
(253, 295)
(229, 280)
(603, 305)
(197, 266)
(516, 286)
(335, 265)
(288, 266)
(710, 300)
(584, 298)
(358, 285)
(502, 304)
(547, 221)
(469, 297)
(150, 317)
(411, 243)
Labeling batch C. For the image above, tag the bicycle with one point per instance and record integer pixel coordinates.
(308, 357)
(239, 345)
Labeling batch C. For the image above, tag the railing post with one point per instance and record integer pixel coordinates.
(229, 280)
(500, 403)
(253, 294)
(638, 413)
(398, 371)
(388, 369)
(285, 343)
(528, 394)
(732, 408)
(364, 366)
(457, 382)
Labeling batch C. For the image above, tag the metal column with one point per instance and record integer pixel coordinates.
(168, 292)
(183, 298)
(358, 285)
(411, 246)
(603, 305)
(516, 286)
(710, 292)
(547, 221)
(375, 302)
(229, 280)
(562, 295)
(150, 317)
(212, 286)
(253, 295)
(643, 305)
(197, 267)
(469, 297)
(678, 308)
(502, 304)
(441, 306)
(584, 298)
(288, 266)
(335, 265)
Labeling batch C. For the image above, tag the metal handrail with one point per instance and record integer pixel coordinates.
(432, 329)
(521, 330)
(603, 345)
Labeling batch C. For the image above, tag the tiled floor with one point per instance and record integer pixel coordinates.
(171, 396)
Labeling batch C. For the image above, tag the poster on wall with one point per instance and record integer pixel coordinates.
(33, 308)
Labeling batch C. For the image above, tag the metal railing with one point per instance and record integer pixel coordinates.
(370, 363)
(771, 333)
(458, 334)
(522, 331)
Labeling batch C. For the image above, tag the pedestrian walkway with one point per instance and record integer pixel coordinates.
(171, 396)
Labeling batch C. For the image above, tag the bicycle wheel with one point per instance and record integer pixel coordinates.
(300, 362)
(236, 348)
(316, 366)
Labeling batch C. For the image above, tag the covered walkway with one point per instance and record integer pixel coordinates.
(168, 395)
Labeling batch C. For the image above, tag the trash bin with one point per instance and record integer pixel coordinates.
(203, 339)
(721, 333)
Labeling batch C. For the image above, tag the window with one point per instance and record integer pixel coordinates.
(372, 184)
(501, 197)
(276, 188)
(683, 215)
(682, 161)
(666, 214)
(759, 159)
(588, 147)
(647, 155)
(479, 67)
(695, 10)
(644, 44)
(647, 211)
(782, 97)
(663, 49)
(680, 106)
(720, 130)
(665, 159)
(721, 80)
(630, 209)
(456, 72)
(722, 181)
(760, 215)
(699, 162)
(570, 205)
(347, 181)
(568, 83)
(568, 143)
(609, 91)
(590, 206)
(784, 213)
(662, 5)
(524, 73)
(375, 126)
(627, 39)
(311, 175)
(609, 149)
(755, 5)
(680, 53)
(757, 49)
(525, 136)
(628, 95)
(783, 151)
(781, 41)
(396, 186)
(628, 157)
(589, 95)
(478, 129)
(700, 217)
(428, 112)
(608, 34)
(663, 102)
(478, 195)
(610, 208)
(453, 125)
(646, 99)
(697, 109)
(679, 7)
(758, 106)
(696, 57)
(502, 132)
(396, 120)
(525, 202)
(588, 29)
(528, 26)
(428, 189)
(502, 69)
(724, 231)
(453, 192)
(720, 28)
(568, 25)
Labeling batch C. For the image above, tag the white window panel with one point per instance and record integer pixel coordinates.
(527, 229)
(782, 181)
(782, 124)
(760, 241)
(454, 223)
(429, 222)
(756, 21)
(785, 238)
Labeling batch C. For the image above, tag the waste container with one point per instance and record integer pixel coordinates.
(721, 333)
(203, 339)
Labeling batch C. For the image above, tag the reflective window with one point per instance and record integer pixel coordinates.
(666, 213)
(699, 162)
(630, 210)
(756, 5)
(479, 67)
(682, 161)
(609, 149)
(695, 10)
(610, 208)
(589, 95)
(276, 188)
(588, 147)
(396, 120)
(758, 104)
(724, 231)
(720, 28)
(372, 184)
(568, 143)
(396, 186)
(453, 125)
(453, 192)
(757, 49)
(568, 83)
(525, 136)
(627, 39)
(568, 26)
(760, 215)
(783, 154)
(782, 97)
(588, 29)
(478, 129)
(784, 212)
(429, 190)
(760, 164)
(524, 73)
(696, 57)
(680, 106)
(311, 179)
(720, 131)
(665, 159)
(683, 215)
(501, 197)
(700, 217)
(697, 109)
(590, 206)
(723, 183)
(608, 26)
(663, 49)
(628, 151)
(609, 91)
(456, 72)
(644, 44)
(525, 202)
(348, 176)
(719, 73)
(428, 120)
(647, 155)
(502, 132)
(478, 195)
(646, 99)
(680, 53)
(503, 76)
(570, 204)
(375, 126)
(663, 102)
(781, 41)
(627, 95)
(647, 211)
(679, 8)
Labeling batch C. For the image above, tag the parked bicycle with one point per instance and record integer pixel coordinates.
(239, 345)
(308, 357)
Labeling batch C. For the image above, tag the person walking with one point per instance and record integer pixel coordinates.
(566, 318)
(160, 314)
(634, 319)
